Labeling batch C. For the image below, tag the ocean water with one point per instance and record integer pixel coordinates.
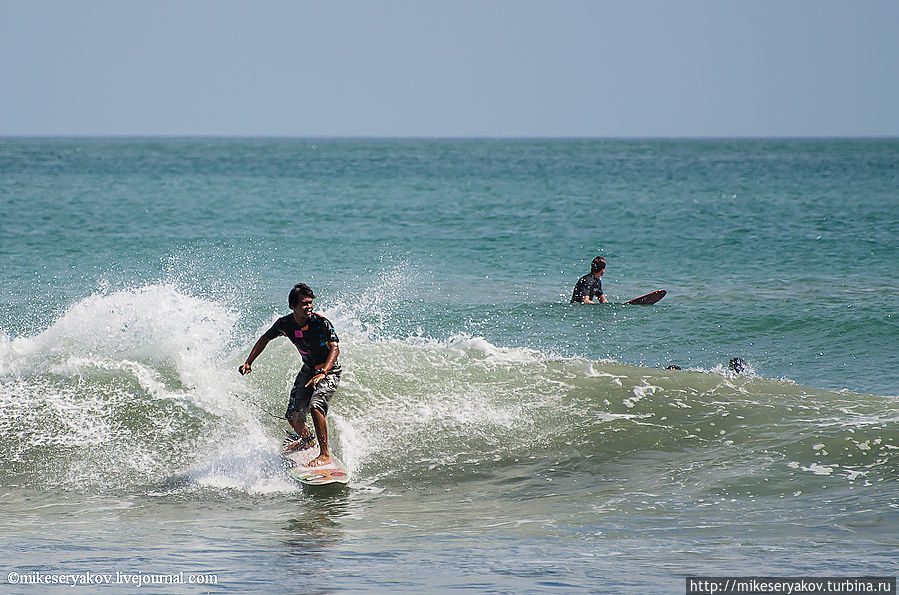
(499, 438)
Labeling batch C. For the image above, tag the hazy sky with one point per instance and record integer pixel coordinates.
(450, 68)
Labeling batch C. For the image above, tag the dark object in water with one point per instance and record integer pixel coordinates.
(737, 365)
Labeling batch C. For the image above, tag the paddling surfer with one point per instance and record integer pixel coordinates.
(588, 289)
(315, 339)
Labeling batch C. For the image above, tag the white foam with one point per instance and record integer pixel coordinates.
(154, 323)
(640, 392)
(83, 383)
(616, 379)
(250, 464)
(818, 469)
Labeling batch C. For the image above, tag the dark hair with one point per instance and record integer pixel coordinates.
(598, 264)
(300, 290)
(737, 365)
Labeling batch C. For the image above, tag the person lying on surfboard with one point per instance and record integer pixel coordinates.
(588, 289)
(315, 339)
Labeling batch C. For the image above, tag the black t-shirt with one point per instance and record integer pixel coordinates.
(311, 340)
(587, 286)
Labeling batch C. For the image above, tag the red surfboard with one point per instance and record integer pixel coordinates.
(649, 298)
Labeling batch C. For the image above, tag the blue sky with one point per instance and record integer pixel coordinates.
(653, 68)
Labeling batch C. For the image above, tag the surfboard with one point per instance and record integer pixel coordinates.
(295, 462)
(649, 298)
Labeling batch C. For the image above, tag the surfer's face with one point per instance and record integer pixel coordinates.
(303, 309)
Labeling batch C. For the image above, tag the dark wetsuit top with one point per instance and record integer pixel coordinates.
(311, 341)
(587, 286)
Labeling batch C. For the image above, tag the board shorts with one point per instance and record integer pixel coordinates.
(304, 398)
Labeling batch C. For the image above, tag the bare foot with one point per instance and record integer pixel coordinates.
(301, 444)
(319, 461)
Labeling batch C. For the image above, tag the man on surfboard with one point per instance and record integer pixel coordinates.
(588, 289)
(315, 339)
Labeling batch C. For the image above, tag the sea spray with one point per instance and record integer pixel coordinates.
(125, 387)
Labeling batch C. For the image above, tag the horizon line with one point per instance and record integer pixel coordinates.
(453, 137)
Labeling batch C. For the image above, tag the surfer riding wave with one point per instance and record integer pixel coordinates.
(315, 339)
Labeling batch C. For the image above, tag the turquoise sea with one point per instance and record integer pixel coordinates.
(499, 438)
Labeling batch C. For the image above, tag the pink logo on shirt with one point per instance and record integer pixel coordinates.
(299, 335)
